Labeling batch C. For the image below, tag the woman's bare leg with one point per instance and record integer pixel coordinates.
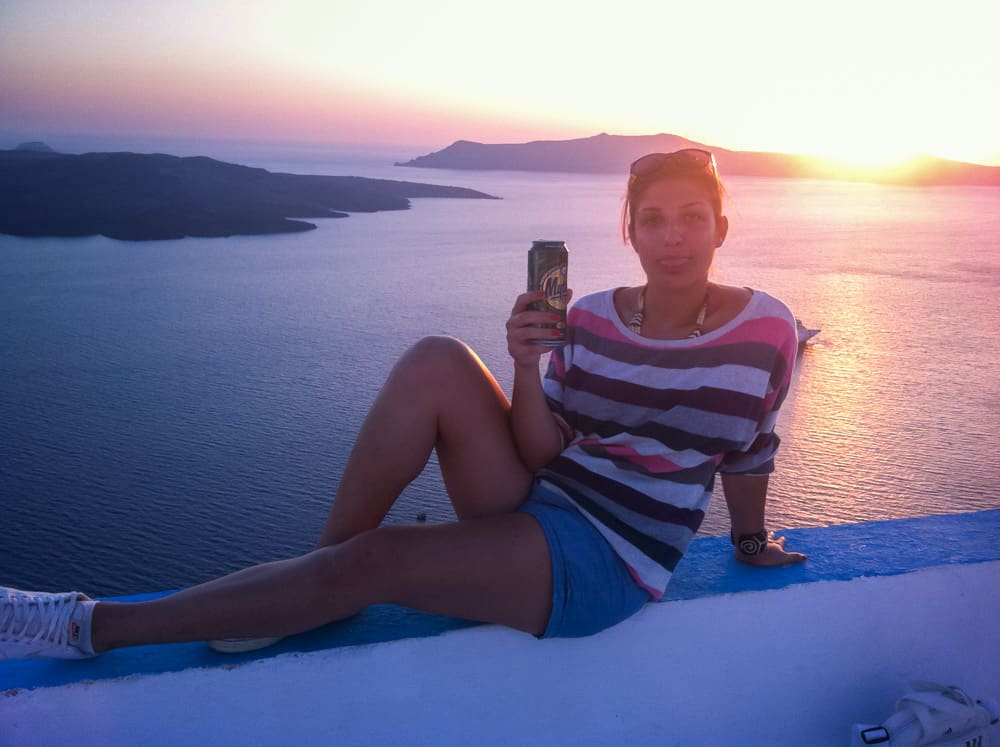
(494, 569)
(491, 565)
(439, 396)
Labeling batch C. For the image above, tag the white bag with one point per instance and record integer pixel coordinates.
(931, 714)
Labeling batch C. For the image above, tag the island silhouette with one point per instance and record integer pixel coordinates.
(606, 153)
(133, 196)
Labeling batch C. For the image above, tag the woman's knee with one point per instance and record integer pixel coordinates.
(440, 351)
(443, 359)
(365, 560)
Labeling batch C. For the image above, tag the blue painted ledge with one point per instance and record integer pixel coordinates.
(836, 553)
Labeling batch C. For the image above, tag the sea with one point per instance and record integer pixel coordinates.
(174, 410)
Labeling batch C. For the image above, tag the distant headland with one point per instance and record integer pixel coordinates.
(613, 153)
(133, 196)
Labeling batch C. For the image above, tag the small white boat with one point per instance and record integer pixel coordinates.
(805, 334)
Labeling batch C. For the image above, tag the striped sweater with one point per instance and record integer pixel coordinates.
(648, 423)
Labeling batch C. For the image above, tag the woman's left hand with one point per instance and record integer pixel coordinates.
(774, 554)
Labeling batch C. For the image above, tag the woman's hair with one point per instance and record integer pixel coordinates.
(695, 165)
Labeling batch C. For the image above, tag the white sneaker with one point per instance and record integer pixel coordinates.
(241, 645)
(36, 624)
(932, 714)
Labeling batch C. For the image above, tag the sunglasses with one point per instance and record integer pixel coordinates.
(687, 158)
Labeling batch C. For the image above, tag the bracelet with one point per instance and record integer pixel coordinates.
(750, 544)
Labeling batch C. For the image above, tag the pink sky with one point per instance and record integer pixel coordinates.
(871, 82)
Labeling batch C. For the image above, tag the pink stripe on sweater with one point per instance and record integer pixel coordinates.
(652, 463)
(597, 325)
(761, 329)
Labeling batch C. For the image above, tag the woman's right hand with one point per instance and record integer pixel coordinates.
(523, 332)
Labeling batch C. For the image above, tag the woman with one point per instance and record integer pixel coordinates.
(575, 501)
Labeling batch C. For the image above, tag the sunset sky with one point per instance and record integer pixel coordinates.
(870, 80)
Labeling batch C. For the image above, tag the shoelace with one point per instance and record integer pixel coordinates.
(48, 613)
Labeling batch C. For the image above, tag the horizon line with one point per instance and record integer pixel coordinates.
(342, 147)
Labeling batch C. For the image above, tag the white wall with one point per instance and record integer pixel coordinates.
(796, 666)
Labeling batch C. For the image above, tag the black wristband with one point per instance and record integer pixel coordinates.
(750, 544)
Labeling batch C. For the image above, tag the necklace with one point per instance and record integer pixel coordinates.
(635, 322)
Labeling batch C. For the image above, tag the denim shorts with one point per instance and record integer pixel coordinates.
(592, 588)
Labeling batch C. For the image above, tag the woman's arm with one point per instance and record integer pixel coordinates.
(536, 431)
(746, 497)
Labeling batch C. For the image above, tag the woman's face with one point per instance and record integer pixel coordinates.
(676, 232)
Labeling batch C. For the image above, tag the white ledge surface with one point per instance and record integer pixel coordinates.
(737, 656)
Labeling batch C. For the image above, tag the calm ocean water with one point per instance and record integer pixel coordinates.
(170, 411)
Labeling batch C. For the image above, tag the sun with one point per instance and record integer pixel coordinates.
(868, 151)
(875, 158)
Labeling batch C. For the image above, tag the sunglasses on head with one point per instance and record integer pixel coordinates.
(686, 158)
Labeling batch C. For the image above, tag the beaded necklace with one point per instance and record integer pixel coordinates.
(635, 322)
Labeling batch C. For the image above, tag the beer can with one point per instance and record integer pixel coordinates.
(548, 263)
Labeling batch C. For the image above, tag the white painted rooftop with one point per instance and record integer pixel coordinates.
(736, 656)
